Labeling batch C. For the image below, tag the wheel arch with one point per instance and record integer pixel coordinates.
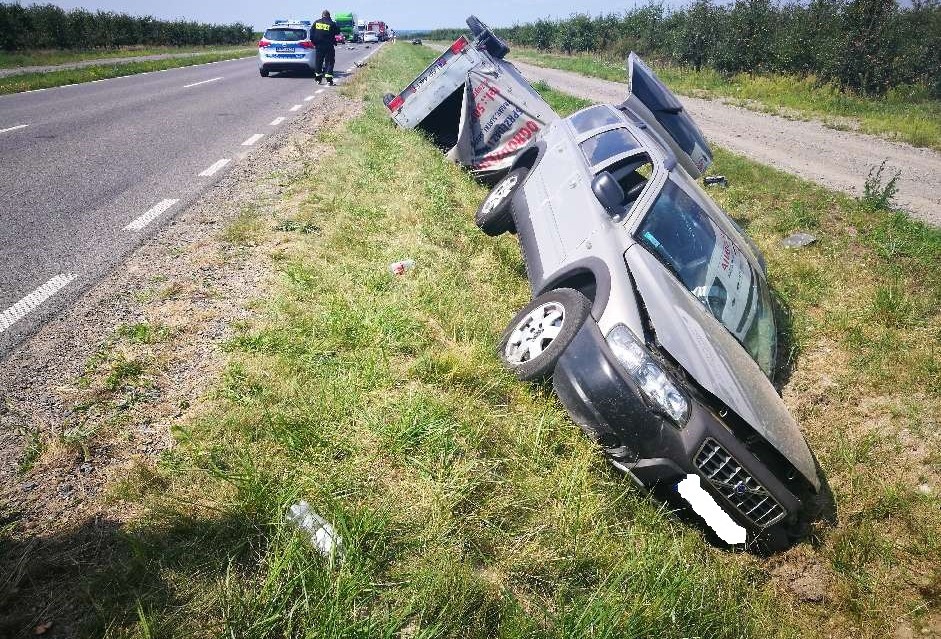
(590, 276)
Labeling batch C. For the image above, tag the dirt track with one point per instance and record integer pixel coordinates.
(839, 160)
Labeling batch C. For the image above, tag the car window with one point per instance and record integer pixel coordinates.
(712, 267)
(606, 145)
(286, 35)
(666, 108)
(631, 174)
(594, 118)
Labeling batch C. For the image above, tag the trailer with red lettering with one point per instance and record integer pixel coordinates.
(475, 105)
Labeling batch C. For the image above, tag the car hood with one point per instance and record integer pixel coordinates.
(715, 359)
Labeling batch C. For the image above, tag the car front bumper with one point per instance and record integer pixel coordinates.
(659, 455)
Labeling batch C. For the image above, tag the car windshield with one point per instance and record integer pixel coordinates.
(711, 266)
(285, 35)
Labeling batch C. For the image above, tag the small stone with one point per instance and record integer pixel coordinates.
(925, 489)
(86, 468)
(798, 240)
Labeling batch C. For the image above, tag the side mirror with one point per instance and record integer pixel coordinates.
(609, 193)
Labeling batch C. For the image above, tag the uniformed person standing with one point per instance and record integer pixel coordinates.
(323, 35)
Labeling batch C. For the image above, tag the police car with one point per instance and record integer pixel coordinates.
(286, 46)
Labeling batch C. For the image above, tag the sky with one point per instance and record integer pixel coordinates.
(405, 14)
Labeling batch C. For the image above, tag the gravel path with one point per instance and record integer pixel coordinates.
(100, 61)
(838, 160)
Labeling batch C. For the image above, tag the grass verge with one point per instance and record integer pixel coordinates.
(905, 114)
(31, 81)
(13, 59)
(469, 503)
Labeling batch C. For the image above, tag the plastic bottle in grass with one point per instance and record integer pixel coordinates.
(322, 534)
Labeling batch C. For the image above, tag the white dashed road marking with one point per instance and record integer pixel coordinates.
(319, 91)
(212, 170)
(277, 121)
(308, 98)
(250, 141)
(142, 221)
(14, 128)
(196, 84)
(22, 308)
(296, 107)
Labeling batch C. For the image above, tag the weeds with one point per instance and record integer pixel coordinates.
(879, 192)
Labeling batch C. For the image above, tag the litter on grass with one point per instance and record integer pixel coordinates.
(322, 534)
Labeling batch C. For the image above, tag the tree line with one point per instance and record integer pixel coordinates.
(47, 26)
(869, 46)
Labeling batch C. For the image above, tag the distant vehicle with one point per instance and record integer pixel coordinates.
(340, 38)
(653, 316)
(370, 36)
(416, 41)
(347, 24)
(381, 29)
(286, 46)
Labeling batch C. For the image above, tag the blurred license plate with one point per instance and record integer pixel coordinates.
(284, 49)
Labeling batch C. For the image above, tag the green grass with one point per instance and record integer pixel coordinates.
(31, 81)
(13, 59)
(469, 503)
(906, 114)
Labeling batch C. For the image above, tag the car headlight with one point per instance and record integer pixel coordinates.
(655, 384)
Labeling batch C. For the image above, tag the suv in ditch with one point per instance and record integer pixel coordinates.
(286, 46)
(653, 316)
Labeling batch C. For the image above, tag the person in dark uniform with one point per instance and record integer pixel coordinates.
(323, 34)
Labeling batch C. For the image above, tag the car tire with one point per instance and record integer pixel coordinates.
(538, 335)
(495, 215)
(263, 72)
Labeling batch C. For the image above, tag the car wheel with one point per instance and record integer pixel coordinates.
(263, 72)
(495, 217)
(539, 334)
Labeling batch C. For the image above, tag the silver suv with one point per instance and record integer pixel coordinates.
(286, 46)
(653, 316)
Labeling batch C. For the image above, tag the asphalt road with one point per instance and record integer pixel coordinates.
(89, 171)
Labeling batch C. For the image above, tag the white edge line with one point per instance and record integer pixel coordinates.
(308, 98)
(140, 222)
(296, 107)
(26, 305)
(14, 128)
(276, 121)
(212, 170)
(250, 141)
(319, 91)
(196, 84)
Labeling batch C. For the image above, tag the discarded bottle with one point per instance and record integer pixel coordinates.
(398, 268)
(322, 534)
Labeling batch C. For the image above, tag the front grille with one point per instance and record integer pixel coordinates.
(744, 492)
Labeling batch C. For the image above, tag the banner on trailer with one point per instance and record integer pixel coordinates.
(496, 121)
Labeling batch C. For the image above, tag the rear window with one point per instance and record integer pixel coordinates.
(606, 145)
(594, 118)
(666, 108)
(286, 35)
